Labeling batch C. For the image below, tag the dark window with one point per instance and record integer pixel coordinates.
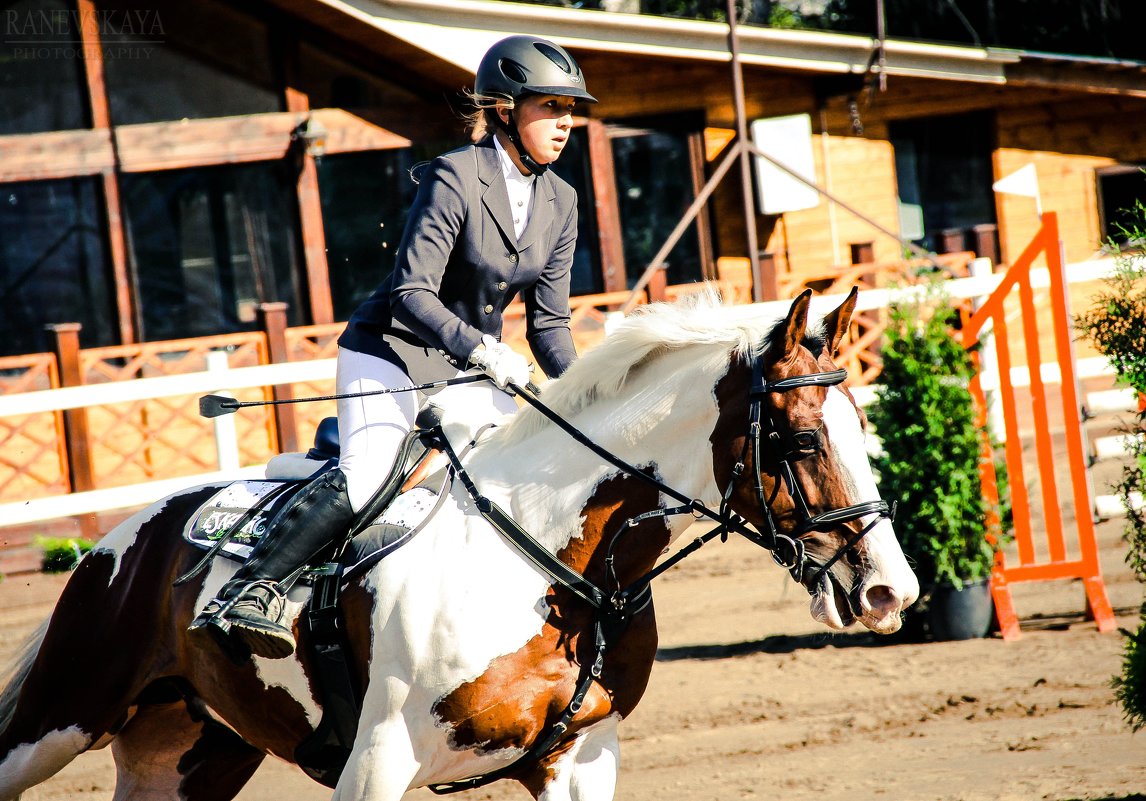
(42, 85)
(365, 197)
(1121, 197)
(210, 244)
(53, 264)
(573, 167)
(185, 60)
(944, 174)
(654, 189)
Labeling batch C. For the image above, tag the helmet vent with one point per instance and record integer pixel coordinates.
(512, 70)
(555, 55)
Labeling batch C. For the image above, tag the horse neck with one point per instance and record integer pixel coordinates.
(574, 502)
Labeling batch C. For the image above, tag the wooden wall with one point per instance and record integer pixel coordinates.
(859, 171)
(1066, 133)
(1067, 141)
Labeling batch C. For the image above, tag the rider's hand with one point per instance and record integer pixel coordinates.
(500, 362)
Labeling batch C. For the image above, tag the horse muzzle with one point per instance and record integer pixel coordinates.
(876, 602)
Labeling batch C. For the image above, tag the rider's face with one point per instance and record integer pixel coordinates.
(544, 122)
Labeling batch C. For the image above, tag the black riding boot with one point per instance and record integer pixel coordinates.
(250, 604)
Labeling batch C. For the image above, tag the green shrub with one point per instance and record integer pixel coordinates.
(62, 554)
(932, 447)
(1128, 686)
(1116, 324)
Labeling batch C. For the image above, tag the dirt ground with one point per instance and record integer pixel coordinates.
(751, 699)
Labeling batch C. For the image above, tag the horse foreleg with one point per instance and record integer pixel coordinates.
(164, 753)
(585, 771)
(381, 766)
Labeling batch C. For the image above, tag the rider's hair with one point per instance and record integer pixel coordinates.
(481, 121)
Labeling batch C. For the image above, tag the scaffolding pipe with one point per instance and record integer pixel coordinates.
(759, 292)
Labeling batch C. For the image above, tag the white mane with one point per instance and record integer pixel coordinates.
(697, 320)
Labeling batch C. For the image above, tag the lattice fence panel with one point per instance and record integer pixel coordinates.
(32, 462)
(166, 437)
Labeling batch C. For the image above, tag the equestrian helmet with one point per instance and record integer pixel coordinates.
(521, 65)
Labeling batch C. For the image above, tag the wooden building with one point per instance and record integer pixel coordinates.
(167, 167)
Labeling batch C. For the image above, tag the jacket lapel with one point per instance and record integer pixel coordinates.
(494, 196)
(541, 216)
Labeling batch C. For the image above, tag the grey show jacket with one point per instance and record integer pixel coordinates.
(459, 265)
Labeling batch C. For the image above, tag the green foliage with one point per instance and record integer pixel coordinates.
(925, 418)
(1130, 687)
(62, 554)
(1116, 325)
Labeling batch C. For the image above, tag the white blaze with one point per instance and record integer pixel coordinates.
(887, 563)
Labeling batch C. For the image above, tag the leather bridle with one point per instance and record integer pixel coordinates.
(788, 549)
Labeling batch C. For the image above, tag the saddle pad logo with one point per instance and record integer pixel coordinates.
(216, 523)
(235, 512)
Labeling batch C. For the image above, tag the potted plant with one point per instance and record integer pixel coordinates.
(931, 451)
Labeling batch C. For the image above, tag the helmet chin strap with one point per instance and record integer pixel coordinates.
(510, 129)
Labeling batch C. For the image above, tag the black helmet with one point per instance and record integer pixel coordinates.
(523, 65)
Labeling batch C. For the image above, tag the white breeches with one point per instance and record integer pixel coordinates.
(371, 429)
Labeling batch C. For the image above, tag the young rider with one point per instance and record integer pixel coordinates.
(489, 221)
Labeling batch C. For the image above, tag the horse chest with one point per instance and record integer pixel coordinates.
(514, 700)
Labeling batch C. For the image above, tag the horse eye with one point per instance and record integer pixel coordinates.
(804, 440)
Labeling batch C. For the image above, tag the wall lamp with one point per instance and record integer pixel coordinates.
(311, 135)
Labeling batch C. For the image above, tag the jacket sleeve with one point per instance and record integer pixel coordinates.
(436, 221)
(547, 304)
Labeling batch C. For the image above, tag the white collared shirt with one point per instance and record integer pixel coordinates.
(519, 187)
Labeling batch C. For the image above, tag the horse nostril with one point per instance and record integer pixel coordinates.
(881, 599)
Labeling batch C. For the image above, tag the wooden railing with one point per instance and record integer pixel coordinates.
(42, 460)
(145, 439)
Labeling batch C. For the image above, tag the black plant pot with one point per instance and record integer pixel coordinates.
(960, 614)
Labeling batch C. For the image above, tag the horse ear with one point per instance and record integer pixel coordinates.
(837, 321)
(796, 324)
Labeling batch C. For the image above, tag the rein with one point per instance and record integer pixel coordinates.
(616, 608)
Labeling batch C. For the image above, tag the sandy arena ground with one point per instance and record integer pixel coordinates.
(751, 699)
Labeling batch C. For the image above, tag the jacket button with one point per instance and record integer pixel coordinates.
(488, 309)
(502, 285)
(513, 257)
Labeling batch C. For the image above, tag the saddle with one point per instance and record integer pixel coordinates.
(232, 521)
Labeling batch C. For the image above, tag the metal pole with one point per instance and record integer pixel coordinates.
(759, 292)
(881, 35)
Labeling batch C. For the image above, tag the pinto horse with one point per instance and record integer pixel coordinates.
(465, 652)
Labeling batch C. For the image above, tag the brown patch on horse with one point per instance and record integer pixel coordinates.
(790, 352)
(836, 325)
(112, 623)
(792, 410)
(521, 694)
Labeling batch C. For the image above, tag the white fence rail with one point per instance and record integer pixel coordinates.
(220, 379)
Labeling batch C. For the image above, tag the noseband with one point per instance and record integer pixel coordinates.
(788, 549)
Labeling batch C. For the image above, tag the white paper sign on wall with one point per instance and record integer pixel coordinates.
(789, 141)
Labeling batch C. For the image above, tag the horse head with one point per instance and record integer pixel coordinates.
(789, 446)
